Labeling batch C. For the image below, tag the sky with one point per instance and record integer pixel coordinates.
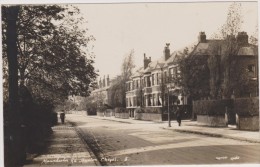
(147, 27)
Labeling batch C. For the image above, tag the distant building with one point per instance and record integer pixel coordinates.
(102, 90)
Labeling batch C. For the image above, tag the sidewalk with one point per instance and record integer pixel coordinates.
(188, 126)
(65, 148)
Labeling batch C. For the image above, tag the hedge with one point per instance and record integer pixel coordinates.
(212, 107)
(247, 106)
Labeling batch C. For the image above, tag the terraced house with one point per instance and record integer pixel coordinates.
(154, 86)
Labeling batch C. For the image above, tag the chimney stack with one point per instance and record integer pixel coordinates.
(146, 61)
(202, 37)
(167, 53)
(242, 38)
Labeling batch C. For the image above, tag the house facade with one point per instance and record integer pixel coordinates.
(153, 86)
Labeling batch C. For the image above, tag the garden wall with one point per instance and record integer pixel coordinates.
(106, 113)
(122, 115)
(148, 116)
(216, 121)
(244, 112)
(212, 112)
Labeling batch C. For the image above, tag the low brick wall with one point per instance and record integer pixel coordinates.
(100, 113)
(122, 115)
(247, 122)
(148, 116)
(109, 113)
(217, 121)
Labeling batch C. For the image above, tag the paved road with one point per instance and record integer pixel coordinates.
(117, 143)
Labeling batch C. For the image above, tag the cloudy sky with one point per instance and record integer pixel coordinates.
(146, 27)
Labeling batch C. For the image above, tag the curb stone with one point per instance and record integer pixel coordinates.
(81, 136)
(213, 135)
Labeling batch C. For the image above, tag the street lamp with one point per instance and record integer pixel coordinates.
(170, 86)
(169, 116)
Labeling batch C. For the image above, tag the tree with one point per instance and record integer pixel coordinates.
(53, 52)
(233, 78)
(14, 151)
(117, 91)
(233, 22)
(254, 38)
(195, 75)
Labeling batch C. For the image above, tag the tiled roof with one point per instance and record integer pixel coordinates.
(209, 47)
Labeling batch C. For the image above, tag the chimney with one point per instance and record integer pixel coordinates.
(108, 80)
(146, 61)
(167, 51)
(242, 38)
(202, 37)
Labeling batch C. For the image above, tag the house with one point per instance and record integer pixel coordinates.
(154, 86)
(101, 93)
(234, 60)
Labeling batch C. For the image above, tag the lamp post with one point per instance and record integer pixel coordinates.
(169, 115)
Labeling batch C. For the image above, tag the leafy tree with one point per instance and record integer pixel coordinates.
(195, 75)
(234, 78)
(53, 53)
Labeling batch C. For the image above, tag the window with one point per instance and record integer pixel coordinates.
(152, 79)
(148, 82)
(251, 70)
(165, 76)
(157, 79)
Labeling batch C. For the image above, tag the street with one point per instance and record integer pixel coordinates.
(146, 143)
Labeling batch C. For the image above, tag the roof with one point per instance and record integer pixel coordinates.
(250, 50)
(138, 72)
(219, 46)
(209, 47)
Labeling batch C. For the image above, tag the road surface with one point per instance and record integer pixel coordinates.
(146, 143)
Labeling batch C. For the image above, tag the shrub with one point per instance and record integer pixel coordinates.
(139, 110)
(247, 106)
(212, 107)
(120, 110)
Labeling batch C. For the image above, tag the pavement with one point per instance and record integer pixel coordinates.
(65, 147)
(189, 126)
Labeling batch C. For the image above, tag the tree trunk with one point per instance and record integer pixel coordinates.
(16, 154)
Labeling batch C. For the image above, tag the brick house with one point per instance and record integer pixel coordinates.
(244, 63)
(149, 86)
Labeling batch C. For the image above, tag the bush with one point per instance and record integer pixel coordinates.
(212, 107)
(247, 106)
(120, 110)
(139, 110)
